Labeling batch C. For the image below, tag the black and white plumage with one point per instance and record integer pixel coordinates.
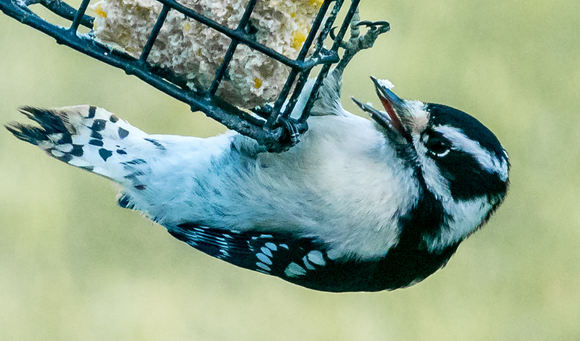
(356, 206)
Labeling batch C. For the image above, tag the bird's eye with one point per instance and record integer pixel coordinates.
(438, 147)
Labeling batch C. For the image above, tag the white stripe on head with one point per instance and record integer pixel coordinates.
(484, 157)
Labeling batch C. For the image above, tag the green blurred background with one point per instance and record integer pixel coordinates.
(74, 266)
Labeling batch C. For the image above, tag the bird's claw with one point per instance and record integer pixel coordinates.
(332, 33)
(291, 129)
(381, 25)
(376, 28)
(358, 42)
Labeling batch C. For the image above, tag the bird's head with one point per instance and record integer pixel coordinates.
(457, 160)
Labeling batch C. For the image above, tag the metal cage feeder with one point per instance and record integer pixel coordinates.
(270, 124)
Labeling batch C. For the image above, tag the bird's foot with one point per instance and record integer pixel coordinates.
(358, 42)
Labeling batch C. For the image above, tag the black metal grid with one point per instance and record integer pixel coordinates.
(271, 127)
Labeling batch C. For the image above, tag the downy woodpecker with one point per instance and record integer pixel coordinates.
(357, 205)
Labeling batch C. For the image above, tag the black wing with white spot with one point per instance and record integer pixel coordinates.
(283, 255)
(304, 261)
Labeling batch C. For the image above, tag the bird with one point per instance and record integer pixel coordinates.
(358, 205)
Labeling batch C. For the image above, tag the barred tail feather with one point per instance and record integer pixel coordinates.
(83, 136)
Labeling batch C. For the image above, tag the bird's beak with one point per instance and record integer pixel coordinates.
(393, 120)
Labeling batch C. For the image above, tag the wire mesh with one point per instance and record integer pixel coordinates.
(269, 124)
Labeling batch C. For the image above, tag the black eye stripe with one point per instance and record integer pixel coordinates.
(467, 179)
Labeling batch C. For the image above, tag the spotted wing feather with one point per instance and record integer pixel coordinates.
(275, 254)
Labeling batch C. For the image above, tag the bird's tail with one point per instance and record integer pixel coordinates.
(85, 136)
